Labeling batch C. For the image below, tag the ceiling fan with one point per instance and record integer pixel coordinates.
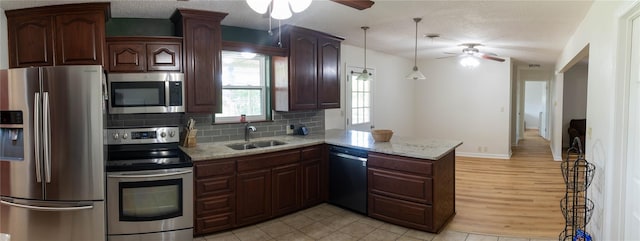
(471, 50)
(357, 4)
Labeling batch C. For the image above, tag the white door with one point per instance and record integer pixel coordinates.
(359, 100)
(632, 206)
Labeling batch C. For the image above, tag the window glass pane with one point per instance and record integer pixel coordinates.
(241, 101)
(365, 100)
(239, 69)
(365, 115)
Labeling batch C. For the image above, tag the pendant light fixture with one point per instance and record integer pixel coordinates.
(416, 74)
(280, 9)
(365, 74)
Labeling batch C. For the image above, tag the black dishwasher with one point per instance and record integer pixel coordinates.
(348, 178)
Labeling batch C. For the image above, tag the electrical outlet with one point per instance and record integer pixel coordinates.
(479, 149)
(485, 149)
(289, 129)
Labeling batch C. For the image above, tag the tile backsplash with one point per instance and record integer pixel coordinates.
(313, 120)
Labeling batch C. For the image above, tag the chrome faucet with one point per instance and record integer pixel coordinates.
(247, 129)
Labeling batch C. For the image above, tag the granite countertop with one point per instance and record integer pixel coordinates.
(402, 146)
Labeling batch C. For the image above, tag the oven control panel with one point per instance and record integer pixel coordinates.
(143, 135)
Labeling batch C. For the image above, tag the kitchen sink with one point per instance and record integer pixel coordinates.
(256, 144)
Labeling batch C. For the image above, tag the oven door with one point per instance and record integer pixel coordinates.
(149, 201)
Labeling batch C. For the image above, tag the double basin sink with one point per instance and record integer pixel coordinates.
(255, 144)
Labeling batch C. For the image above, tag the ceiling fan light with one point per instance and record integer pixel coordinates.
(469, 62)
(299, 5)
(416, 74)
(260, 6)
(281, 10)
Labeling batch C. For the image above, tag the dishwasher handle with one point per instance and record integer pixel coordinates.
(350, 157)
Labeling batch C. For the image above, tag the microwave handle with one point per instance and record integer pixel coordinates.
(105, 90)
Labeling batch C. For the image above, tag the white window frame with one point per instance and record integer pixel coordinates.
(352, 71)
(263, 97)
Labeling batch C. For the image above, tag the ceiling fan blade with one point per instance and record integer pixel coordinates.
(489, 57)
(446, 57)
(450, 53)
(357, 4)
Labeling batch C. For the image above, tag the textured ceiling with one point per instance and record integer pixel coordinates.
(531, 32)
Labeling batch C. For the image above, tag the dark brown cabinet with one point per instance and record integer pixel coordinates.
(285, 193)
(411, 192)
(215, 194)
(309, 78)
(314, 176)
(142, 54)
(72, 34)
(202, 44)
(268, 186)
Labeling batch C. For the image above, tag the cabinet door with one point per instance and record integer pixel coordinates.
(253, 197)
(30, 41)
(80, 39)
(126, 57)
(312, 182)
(202, 40)
(164, 57)
(408, 214)
(286, 189)
(328, 73)
(303, 71)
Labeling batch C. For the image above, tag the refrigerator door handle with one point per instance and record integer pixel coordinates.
(51, 209)
(46, 131)
(36, 133)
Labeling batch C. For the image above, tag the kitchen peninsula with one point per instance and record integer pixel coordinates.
(411, 181)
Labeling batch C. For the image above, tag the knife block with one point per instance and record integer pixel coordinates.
(190, 138)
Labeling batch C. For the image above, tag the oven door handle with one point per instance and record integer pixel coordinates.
(151, 175)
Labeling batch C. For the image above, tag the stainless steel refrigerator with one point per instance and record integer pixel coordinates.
(52, 154)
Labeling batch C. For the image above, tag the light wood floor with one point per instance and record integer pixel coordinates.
(518, 197)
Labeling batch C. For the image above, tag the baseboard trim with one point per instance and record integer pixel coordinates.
(556, 156)
(483, 155)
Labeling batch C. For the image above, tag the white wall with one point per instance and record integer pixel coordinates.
(574, 104)
(4, 53)
(601, 30)
(393, 94)
(534, 92)
(471, 105)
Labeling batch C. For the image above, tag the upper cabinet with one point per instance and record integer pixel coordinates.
(310, 77)
(72, 34)
(142, 54)
(202, 44)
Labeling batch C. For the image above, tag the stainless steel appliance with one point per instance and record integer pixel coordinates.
(348, 178)
(157, 92)
(149, 186)
(52, 153)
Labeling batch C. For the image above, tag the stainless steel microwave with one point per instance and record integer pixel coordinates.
(157, 92)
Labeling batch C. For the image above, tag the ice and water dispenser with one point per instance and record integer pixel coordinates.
(11, 136)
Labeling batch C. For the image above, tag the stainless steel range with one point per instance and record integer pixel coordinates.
(149, 185)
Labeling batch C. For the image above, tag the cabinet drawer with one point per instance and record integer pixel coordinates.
(214, 223)
(216, 185)
(400, 212)
(215, 205)
(399, 185)
(266, 161)
(398, 163)
(311, 153)
(214, 168)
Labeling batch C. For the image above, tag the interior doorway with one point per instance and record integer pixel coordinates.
(574, 105)
(535, 106)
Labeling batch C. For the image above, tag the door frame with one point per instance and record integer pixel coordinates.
(614, 220)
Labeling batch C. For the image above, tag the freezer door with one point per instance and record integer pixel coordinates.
(73, 128)
(47, 220)
(19, 177)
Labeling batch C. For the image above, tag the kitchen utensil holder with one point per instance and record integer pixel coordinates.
(576, 207)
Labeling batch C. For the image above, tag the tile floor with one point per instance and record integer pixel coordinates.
(328, 222)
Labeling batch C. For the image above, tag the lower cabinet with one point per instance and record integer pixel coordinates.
(215, 194)
(254, 197)
(411, 192)
(314, 176)
(285, 190)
